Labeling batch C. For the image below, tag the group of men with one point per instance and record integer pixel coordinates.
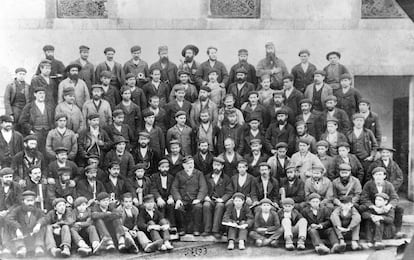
(117, 157)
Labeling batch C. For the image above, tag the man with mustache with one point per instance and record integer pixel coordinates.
(240, 88)
(10, 192)
(117, 75)
(202, 75)
(272, 65)
(145, 154)
(189, 64)
(203, 103)
(310, 118)
(281, 131)
(251, 71)
(168, 69)
(44, 80)
(293, 187)
(303, 72)
(11, 141)
(89, 187)
(331, 111)
(97, 105)
(87, 71)
(137, 67)
(57, 68)
(277, 103)
(190, 90)
(346, 185)
(73, 80)
(16, 95)
(318, 91)
(25, 221)
(37, 183)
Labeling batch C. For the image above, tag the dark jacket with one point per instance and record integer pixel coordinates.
(370, 189)
(296, 191)
(313, 124)
(173, 107)
(157, 137)
(118, 75)
(162, 92)
(177, 166)
(10, 96)
(344, 125)
(188, 188)
(156, 188)
(295, 216)
(372, 123)
(303, 78)
(150, 159)
(204, 69)
(348, 101)
(251, 73)
(249, 188)
(29, 114)
(394, 172)
(51, 90)
(356, 167)
(121, 187)
(204, 166)
(272, 223)
(126, 162)
(370, 143)
(18, 219)
(84, 189)
(254, 170)
(322, 218)
(146, 186)
(246, 216)
(272, 189)
(144, 218)
(86, 146)
(221, 190)
(51, 218)
(12, 198)
(133, 117)
(274, 136)
(241, 96)
(9, 150)
(293, 101)
(169, 74)
(87, 73)
(111, 214)
(21, 165)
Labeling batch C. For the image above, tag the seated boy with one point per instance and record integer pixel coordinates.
(380, 222)
(63, 187)
(83, 228)
(293, 223)
(346, 221)
(239, 218)
(267, 229)
(153, 223)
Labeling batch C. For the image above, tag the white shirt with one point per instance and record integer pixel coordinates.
(358, 132)
(151, 213)
(242, 179)
(7, 135)
(288, 92)
(113, 180)
(304, 66)
(41, 106)
(164, 182)
(238, 212)
(265, 216)
(216, 178)
(306, 116)
(265, 182)
(110, 64)
(386, 162)
(156, 84)
(143, 151)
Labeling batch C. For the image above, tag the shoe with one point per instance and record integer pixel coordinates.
(110, 246)
(336, 248)
(65, 251)
(163, 248)
(379, 245)
(370, 245)
(266, 241)
(274, 243)
(289, 244)
(181, 233)
(6, 252)
(153, 246)
(21, 253)
(241, 245)
(399, 235)
(196, 233)
(39, 251)
(259, 242)
(342, 245)
(84, 251)
(217, 235)
(56, 252)
(205, 234)
(121, 246)
(301, 243)
(168, 245)
(322, 249)
(355, 246)
(96, 246)
(231, 245)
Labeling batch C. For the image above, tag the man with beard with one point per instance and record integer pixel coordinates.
(252, 130)
(250, 69)
(273, 66)
(157, 88)
(219, 192)
(320, 185)
(281, 131)
(202, 74)
(267, 187)
(292, 95)
(64, 186)
(57, 68)
(189, 64)
(255, 157)
(73, 80)
(161, 183)
(331, 111)
(189, 189)
(137, 66)
(115, 184)
(37, 183)
(61, 136)
(16, 95)
(229, 101)
(302, 132)
(121, 155)
(305, 161)
(25, 221)
(303, 72)
(190, 89)
(240, 87)
(231, 157)
(61, 162)
(231, 130)
(175, 157)
(167, 68)
(145, 154)
(371, 119)
(327, 161)
(293, 187)
(75, 120)
(159, 113)
(203, 159)
(277, 103)
(118, 128)
(345, 157)
(334, 70)
(23, 160)
(99, 106)
(110, 93)
(89, 187)
(207, 130)
(156, 134)
(346, 185)
(348, 97)
(279, 162)
(93, 140)
(11, 141)
(87, 71)
(254, 109)
(332, 136)
(310, 118)
(44, 80)
(318, 91)
(116, 73)
(203, 103)
(10, 192)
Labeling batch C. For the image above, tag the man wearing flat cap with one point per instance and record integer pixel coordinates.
(10, 192)
(334, 69)
(344, 156)
(116, 72)
(137, 66)
(57, 69)
(292, 95)
(183, 133)
(16, 95)
(255, 157)
(332, 134)
(120, 154)
(302, 132)
(279, 161)
(331, 111)
(304, 160)
(156, 88)
(346, 185)
(250, 69)
(176, 105)
(11, 141)
(252, 130)
(393, 171)
(189, 64)
(156, 133)
(132, 108)
(371, 119)
(116, 184)
(321, 185)
(61, 136)
(110, 93)
(98, 105)
(327, 161)
(61, 162)
(203, 103)
(148, 154)
(318, 91)
(277, 103)
(191, 93)
(311, 119)
(75, 120)
(119, 128)
(240, 87)
(281, 131)
(303, 72)
(45, 81)
(273, 66)
(87, 71)
(89, 187)
(202, 74)
(73, 80)
(168, 69)
(292, 187)
(254, 109)
(348, 96)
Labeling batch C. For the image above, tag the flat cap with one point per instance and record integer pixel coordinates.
(181, 72)
(345, 167)
(190, 47)
(135, 48)
(333, 53)
(320, 72)
(102, 195)
(93, 116)
(114, 163)
(106, 74)
(83, 47)
(282, 111)
(255, 141)
(211, 48)
(254, 92)
(289, 77)
(358, 115)
(57, 201)
(79, 201)
(28, 193)
(205, 88)
(213, 70)
(48, 48)
(345, 199)
(314, 196)
(304, 51)
(107, 49)
(144, 134)
(68, 91)
(305, 101)
(175, 141)
(119, 139)
(30, 137)
(45, 62)
(281, 145)
(332, 119)
(254, 118)
(187, 159)
(60, 115)
(179, 88)
(243, 51)
(269, 44)
(39, 88)
(383, 195)
(90, 168)
(96, 86)
(322, 143)
(345, 76)
(265, 200)
(388, 148)
(148, 197)
(147, 112)
(300, 122)
(241, 70)
(304, 140)
(264, 164)
(364, 100)
(6, 118)
(139, 166)
(129, 75)
(291, 166)
(317, 167)
(163, 161)
(378, 169)
(64, 169)
(239, 195)
(288, 201)
(180, 113)
(6, 171)
(218, 159)
(343, 144)
(117, 112)
(61, 149)
(330, 98)
(162, 48)
(20, 70)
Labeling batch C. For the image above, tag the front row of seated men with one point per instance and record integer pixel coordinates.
(94, 218)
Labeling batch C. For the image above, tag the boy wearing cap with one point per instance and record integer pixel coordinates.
(116, 73)
(318, 91)
(11, 141)
(203, 72)
(107, 220)
(304, 160)
(115, 185)
(157, 88)
(267, 228)
(240, 87)
(188, 189)
(344, 156)
(81, 90)
(120, 154)
(75, 119)
(64, 186)
(327, 161)
(321, 185)
(320, 226)
(281, 131)
(254, 109)
(255, 157)
(239, 219)
(132, 112)
(61, 136)
(243, 63)
(57, 222)
(44, 80)
(153, 223)
(140, 185)
(346, 223)
(244, 183)
(219, 192)
(293, 224)
(190, 90)
(182, 132)
(331, 111)
(302, 132)
(348, 97)
(137, 67)
(346, 185)
(292, 186)
(156, 133)
(334, 69)
(83, 228)
(145, 153)
(333, 136)
(26, 224)
(98, 105)
(303, 72)
(161, 183)
(87, 71)
(371, 119)
(16, 95)
(89, 187)
(167, 68)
